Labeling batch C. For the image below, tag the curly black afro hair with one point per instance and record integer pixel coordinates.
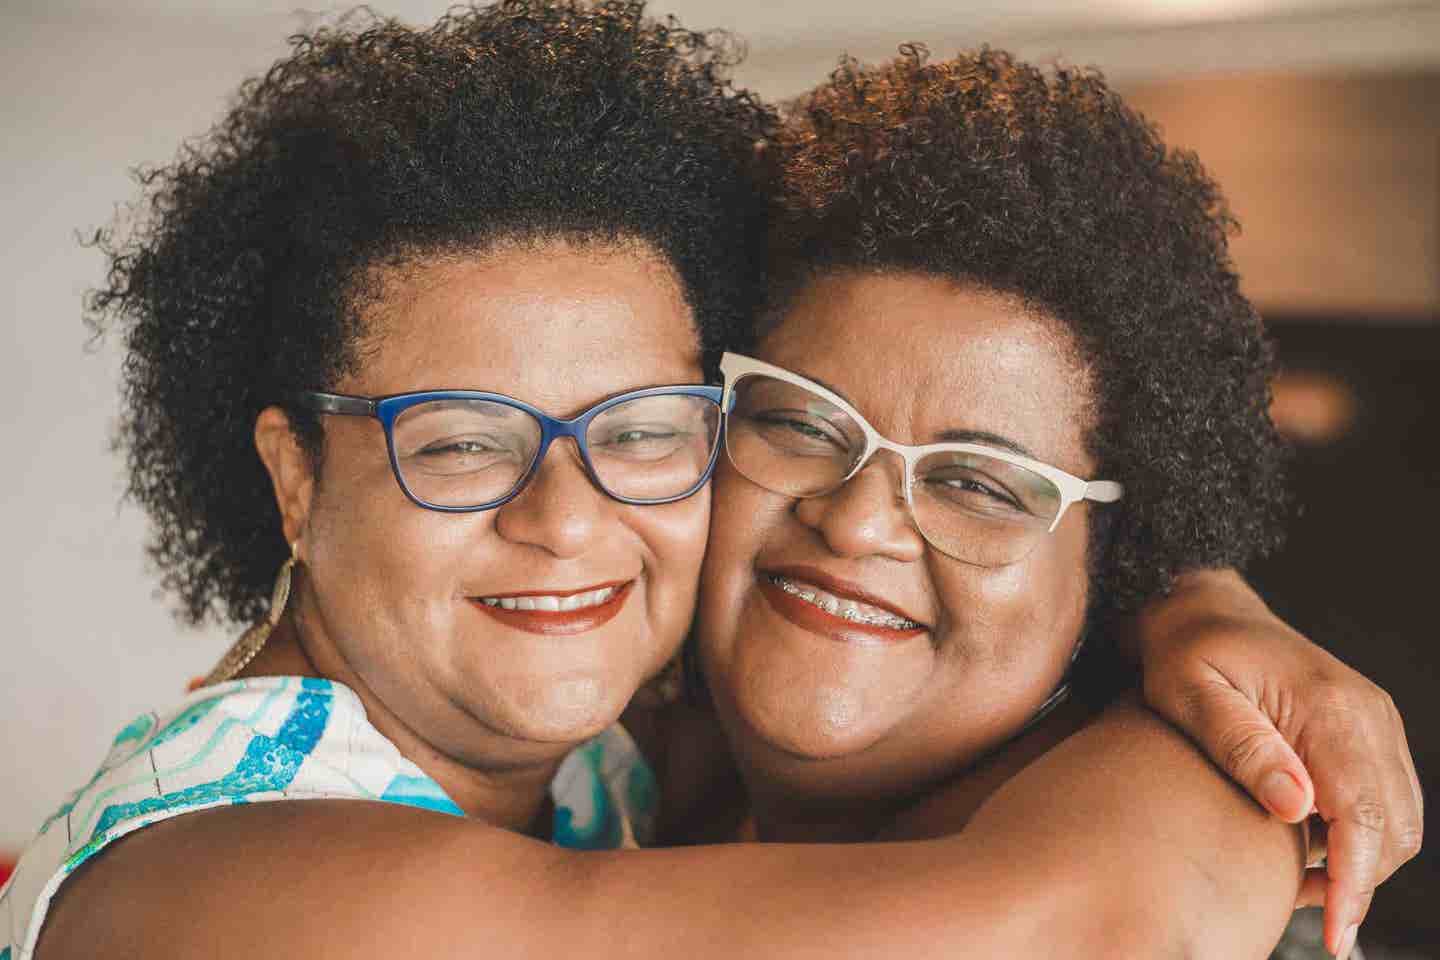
(374, 144)
(1044, 185)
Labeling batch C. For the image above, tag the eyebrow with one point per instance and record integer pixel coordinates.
(984, 437)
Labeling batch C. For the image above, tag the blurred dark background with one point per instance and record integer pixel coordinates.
(1335, 178)
(1359, 571)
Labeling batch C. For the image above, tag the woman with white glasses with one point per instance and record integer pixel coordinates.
(1006, 391)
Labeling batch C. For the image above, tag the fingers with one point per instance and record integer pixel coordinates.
(1239, 737)
(1411, 827)
(1405, 821)
(1356, 842)
(1247, 688)
(1367, 791)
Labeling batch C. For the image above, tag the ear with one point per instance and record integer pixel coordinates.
(291, 472)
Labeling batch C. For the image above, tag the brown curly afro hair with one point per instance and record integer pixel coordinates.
(373, 143)
(1044, 185)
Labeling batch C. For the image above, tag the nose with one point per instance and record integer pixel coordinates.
(867, 515)
(560, 510)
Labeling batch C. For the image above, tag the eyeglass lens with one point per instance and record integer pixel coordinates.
(974, 507)
(468, 453)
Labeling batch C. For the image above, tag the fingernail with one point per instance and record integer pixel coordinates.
(1347, 942)
(1282, 794)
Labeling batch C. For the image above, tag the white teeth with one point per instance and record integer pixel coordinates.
(846, 609)
(575, 601)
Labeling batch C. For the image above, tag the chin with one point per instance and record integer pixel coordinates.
(823, 724)
(566, 710)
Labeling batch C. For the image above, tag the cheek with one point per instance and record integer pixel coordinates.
(674, 535)
(1010, 631)
(377, 559)
(679, 531)
(743, 517)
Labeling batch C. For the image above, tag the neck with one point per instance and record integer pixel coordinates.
(501, 790)
(819, 801)
(802, 810)
(797, 823)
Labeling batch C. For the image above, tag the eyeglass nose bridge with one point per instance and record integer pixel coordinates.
(552, 429)
(577, 428)
(874, 443)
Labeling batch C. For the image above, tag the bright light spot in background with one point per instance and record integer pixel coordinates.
(1157, 12)
(1170, 10)
(1313, 409)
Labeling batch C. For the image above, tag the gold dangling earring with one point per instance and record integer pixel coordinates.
(252, 641)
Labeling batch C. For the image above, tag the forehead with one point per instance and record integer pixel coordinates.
(556, 324)
(918, 355)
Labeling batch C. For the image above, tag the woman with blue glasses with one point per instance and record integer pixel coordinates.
(425, 324)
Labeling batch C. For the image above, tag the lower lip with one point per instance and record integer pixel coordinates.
(559, 623)
(809, 617)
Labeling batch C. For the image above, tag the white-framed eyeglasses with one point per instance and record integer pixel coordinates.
(978, 503)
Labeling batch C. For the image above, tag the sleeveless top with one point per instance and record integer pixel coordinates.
(288, 738)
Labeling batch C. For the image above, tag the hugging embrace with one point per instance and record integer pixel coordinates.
(704, 530)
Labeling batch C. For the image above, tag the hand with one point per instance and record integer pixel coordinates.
(1295, 727)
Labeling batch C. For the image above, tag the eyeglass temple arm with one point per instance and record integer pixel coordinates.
(1103, 491)
(336, 403)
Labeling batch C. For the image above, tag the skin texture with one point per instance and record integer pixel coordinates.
(835, 731)
(386, 601)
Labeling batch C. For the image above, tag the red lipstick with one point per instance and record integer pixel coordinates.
(818, 621)
(557, 623)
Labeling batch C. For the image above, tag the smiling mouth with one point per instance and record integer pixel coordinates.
(845, 608)
(553, 602)
(839, 610)
(557, 614)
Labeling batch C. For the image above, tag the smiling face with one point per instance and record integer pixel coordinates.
(426, 611)
(937, 660)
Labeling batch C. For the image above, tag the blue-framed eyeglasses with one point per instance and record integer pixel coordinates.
(461, 451)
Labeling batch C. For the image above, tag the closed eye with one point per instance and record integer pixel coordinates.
(973, 491)
(455, 455)
(458, 445)
(803, 429)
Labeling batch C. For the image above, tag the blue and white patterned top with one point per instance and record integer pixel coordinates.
(288, 738)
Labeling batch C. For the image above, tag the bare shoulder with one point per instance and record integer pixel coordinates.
(313, 878)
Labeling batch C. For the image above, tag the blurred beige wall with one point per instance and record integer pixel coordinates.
(1335, 178)
(91, 90)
